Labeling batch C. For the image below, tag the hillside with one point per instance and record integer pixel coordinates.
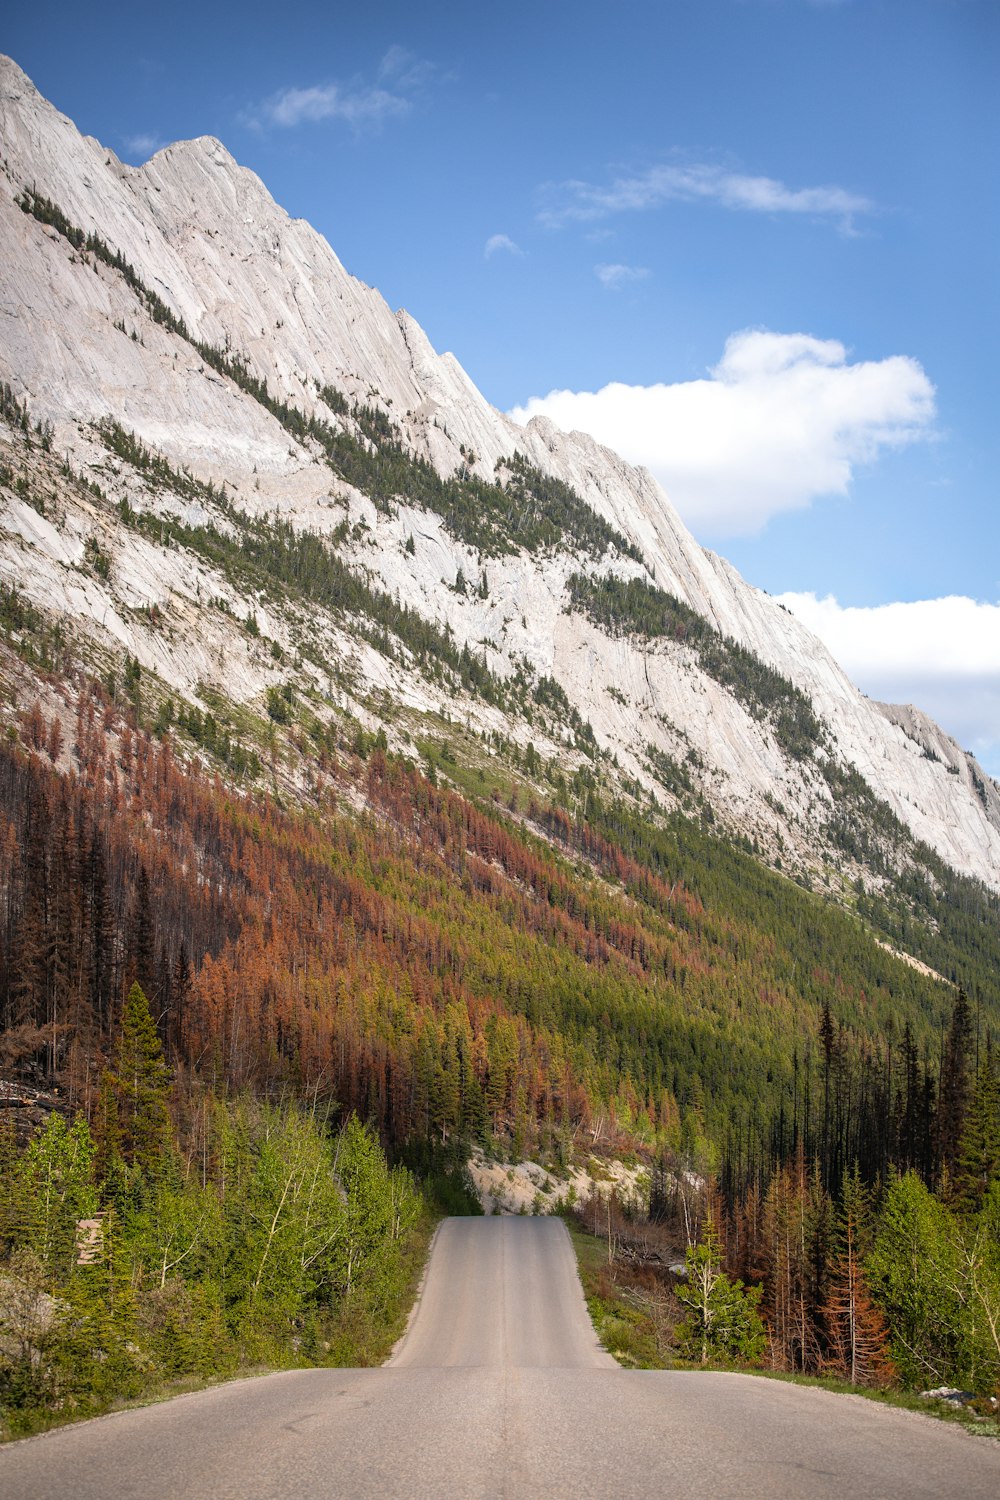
(255, 529)
(179, 338)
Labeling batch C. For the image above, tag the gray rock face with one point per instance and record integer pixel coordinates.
(206, 237)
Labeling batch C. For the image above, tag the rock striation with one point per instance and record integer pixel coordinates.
(80, 348)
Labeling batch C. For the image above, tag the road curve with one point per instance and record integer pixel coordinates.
(499, 1391)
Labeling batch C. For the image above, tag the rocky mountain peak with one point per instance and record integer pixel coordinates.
(178, 304)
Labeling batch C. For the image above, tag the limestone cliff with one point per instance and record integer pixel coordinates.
(85, 345)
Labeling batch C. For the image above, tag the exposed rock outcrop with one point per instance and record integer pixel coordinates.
(202, 234)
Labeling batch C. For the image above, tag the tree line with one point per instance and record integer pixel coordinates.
(826, 1254)
(440, 966)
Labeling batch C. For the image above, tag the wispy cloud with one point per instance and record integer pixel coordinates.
(614, 277)
(781, 420)
(357, 102)
(142, 145)
(405, 70)
(501, 243)
(699, 182)
(331, 101)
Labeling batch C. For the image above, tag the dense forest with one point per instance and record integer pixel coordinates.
(817, 1258)
(179, 1234)
(250, 1010)
(435, 964)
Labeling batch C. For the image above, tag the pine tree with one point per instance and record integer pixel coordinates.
(857, 1333)
(907, 1122)
(954, 1092)
(722, 1321)
(141, 1083)
(978, 1157)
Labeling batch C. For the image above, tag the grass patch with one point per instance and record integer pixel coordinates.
(945, 1411)
(626, 1328)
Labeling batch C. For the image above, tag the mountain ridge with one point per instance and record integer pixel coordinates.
(271, 298)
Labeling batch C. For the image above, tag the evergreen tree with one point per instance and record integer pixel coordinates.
(857, 1334)
(141, 1085)
(978, 1157)
(722, 1320)
(953, 1099)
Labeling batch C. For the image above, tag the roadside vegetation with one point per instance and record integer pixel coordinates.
(640, 1320)
(182, 1236)
(890, 1289)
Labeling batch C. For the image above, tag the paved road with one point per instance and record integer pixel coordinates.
(500, 1392)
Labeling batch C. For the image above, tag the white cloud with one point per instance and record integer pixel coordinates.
(142, 145)
(698, 182)
(781, 420)
(943, 654)
(498, 242)
(331, 101)
(614, 277)
(406, 70)
(401, 77)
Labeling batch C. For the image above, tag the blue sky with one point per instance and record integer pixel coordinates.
(752, 243)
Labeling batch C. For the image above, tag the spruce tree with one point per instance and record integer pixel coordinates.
(953, 1101)
(722, 1320)
(978, 1157)
(141, 1083)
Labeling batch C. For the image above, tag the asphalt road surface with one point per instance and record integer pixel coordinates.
(500, 1391)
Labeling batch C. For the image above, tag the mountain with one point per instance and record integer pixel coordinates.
(85, 346)
(207, 333)
(228, 469)
(415, 760)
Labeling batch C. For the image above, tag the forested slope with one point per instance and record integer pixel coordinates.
(432, 962)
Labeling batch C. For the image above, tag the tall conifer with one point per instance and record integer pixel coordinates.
(953, 1100)
(978, 1157)
(141, 1084)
